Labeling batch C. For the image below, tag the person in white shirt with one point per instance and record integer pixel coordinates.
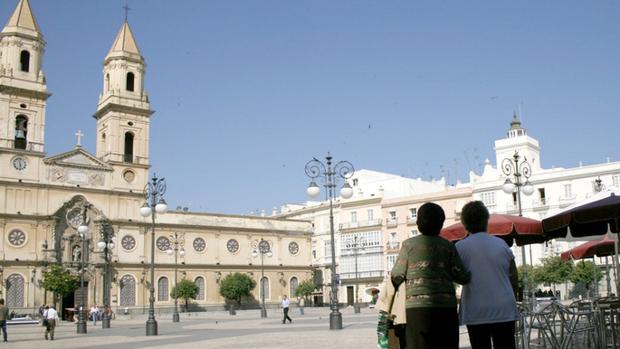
(51, 316)
(94, 313)
(285, 304)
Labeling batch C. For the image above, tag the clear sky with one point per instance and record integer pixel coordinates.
(245, 92)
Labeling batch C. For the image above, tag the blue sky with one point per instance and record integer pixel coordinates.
(245, 92)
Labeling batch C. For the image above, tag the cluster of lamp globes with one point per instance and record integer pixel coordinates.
(508, 187)
(161, 208)
(83, 231)
(313, 190)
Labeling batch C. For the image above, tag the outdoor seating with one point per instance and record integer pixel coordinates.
(580, 325)
(608, 319)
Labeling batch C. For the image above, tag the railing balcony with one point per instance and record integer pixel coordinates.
(128, 158)
(362, 274)
(359, 224)
(391, 246)
(412, 220)
(391, 222)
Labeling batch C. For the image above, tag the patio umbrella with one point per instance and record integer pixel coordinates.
(510, 228)
(598, 215)
(601, 248)
(592, 217)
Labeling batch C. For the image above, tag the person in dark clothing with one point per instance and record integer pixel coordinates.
(4, 316)
(430, 265)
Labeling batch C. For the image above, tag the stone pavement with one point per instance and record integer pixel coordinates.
(215, 329)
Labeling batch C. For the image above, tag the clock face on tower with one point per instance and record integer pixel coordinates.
(19, 163)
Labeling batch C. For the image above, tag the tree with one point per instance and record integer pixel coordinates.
(186, 290)
(60, 281)
(305, 289)
(236, 286)
(554, 270)
(585, 272)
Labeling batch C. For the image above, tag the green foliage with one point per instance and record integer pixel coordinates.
(305, 289)
(236, 286)
(531, 277)
(585, 272)
(60, 280)
(553, 271)
(186, 290)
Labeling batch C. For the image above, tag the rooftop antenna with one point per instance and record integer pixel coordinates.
(126, 8)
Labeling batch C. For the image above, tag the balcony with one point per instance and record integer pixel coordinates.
(391, 222)
(566, 200)
(360, 224)
(392, 246)
(128, 158)
(362, 274)
(412, 220)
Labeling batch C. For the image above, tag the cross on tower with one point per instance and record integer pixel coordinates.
(126, 8)
(79, 136)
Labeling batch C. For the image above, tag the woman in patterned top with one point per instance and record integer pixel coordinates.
(430, 265)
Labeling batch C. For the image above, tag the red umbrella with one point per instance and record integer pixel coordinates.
(600, 248)
(510, 228)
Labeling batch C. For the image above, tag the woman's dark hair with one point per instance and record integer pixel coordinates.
(475, 217)
(430, 219)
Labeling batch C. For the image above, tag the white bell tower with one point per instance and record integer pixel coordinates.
(123, 112)
(23, 91)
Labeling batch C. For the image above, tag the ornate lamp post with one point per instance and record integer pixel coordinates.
(357, 245)
(154, 204)
(343, 169)
(106, 244)
(263, 249)
(518, 169)
(83, 232)
(177, 239)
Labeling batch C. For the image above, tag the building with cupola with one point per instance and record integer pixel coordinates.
(45, 198)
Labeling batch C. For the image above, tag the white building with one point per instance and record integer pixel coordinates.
(358, 219)
(554, 188)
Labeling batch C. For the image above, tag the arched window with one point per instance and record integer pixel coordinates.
(107, 83)
(264, 287)
(21, 131)
(128, 291)
(162, 289)
(24, 61)
(200, 282)
(15, 291)
(130, 81)
(128, 147)
(293, 284)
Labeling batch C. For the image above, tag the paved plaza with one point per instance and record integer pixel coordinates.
(215, 330)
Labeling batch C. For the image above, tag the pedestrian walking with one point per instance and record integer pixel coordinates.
(488, 304)
(4, 316)
(430, 265)
(94, 314)
(301, 302)
(50, 316)
(285, 304)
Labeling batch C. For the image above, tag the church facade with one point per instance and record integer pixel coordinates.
(43, 198)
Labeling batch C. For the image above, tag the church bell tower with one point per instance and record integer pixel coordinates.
(23, 91)
(123, 113)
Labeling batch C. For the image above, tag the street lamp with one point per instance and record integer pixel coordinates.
(177, 239)
(343, 169)
(358, 244)
(263, 249)
(83, 233)
(106, 244)
(154, 204)
(512, 167)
